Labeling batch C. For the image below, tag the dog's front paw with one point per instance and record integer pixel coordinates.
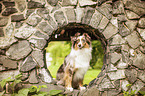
(69, 88)
(82, 88)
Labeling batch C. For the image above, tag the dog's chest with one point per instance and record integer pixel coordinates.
(81, 58)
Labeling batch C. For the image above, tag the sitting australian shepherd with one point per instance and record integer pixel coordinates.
(71, 72)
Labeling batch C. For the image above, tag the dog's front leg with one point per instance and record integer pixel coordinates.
(68, 78)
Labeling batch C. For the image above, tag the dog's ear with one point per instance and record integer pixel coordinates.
(88, 38)
(77, 34)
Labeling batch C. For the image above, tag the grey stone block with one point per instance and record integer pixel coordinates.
(27, 64)
(19, 50)
(131, 75)
(9, 11)
(17, 18)
(21, 4)
(141, 22)
(70, 13)
(139, 61)
(119, 74)
(3, 21)
(33, 77)
(141, 75)
(133, 40)
(131, 15)
(24, 32)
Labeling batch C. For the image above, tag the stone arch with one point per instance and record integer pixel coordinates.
(27, 25)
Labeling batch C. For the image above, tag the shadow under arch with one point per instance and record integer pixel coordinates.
(65, 32)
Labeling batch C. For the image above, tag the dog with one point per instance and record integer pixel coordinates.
(71, 72)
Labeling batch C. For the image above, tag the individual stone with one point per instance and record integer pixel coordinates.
(114, 21)
(106, 10)
(6, 42)
(111, 68)
(17, 18)
(87, 15)
(135, 6)
(139, 61)
(105, 84)
(113, 92)
(1, 32)
(96, 18)
(93, 91)
(39, 57)
(28, 64)
(117, 40)
(87, 2)
(79, 14)
(10, 64)
(141, 22)
(115, 57)
(60, 18)
(19, 24)
(0, 7)
(33, 77)
(125, 48)
(137, 86)
(118, 7)
(9, 11)
(119, 74)
(33, 19)
(45, 75)
(133, 40)
(124, 84)
(46, 28)
(123, 30)
(70, 13)
(2, 68)
(122, 64)
(40, 1)
(29, 12)
(9, 31)
(131, 15)
(19, 50)
(142, 33)
(9, 4)
(24, 76)
(38, 42)
(21, 4)
(131, 75)
(103, 23)
(32, 5)
(3, 21)
(69, 2)
(53, 2)
(25, 31)
(6, 74)
(131, 25)
(44, 13)
(141, 75)
(122, 18)
(41, 35)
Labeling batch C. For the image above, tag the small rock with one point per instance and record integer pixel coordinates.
(8, 62)
(46, 28)
(32, 5)
(115, 57)
(41, 35)
(52, 2)
(25, 31)
(70, 13)
(33, 20)
(118, 7)
(69, 2)
(131, 75)
(60, 18)
(17, 18)
(119, 74)
(141, 75)
(111, 68)
(1, 32)
(28, 64)
(142, 33)
(9, 11)
(103, 23)
(3, 21)
(21, 4)
(139, 61)
(131, 15)
(141, 23)
(19, 50)
(38, 43)
(45, 75)
(33, 77)
(117, 39)
(9, 4)
(124, 84)
(110, 30)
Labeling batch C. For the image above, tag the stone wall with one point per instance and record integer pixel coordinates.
(26, 26)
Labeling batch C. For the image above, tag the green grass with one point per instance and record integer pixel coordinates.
(89, 76)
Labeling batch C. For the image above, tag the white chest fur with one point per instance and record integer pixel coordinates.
(80, 59)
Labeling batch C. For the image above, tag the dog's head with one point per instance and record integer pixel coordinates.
(81, 41)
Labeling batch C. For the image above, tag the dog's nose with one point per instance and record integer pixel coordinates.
(79, 45)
